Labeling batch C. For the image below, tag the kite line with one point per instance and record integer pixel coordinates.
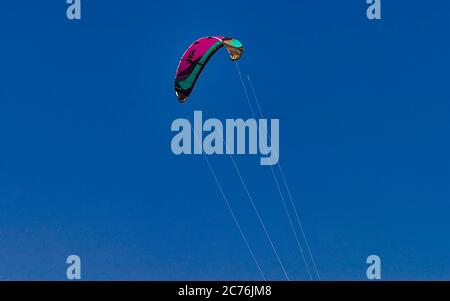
(232, 213)
(278, 185)
(252, 202)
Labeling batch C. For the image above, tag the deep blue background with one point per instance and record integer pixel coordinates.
(85, 160)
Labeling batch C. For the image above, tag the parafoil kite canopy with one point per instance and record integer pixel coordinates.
(195, 59)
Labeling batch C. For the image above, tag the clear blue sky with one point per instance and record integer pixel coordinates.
(85, 160)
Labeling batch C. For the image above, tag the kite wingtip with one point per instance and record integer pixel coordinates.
(181, 97)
